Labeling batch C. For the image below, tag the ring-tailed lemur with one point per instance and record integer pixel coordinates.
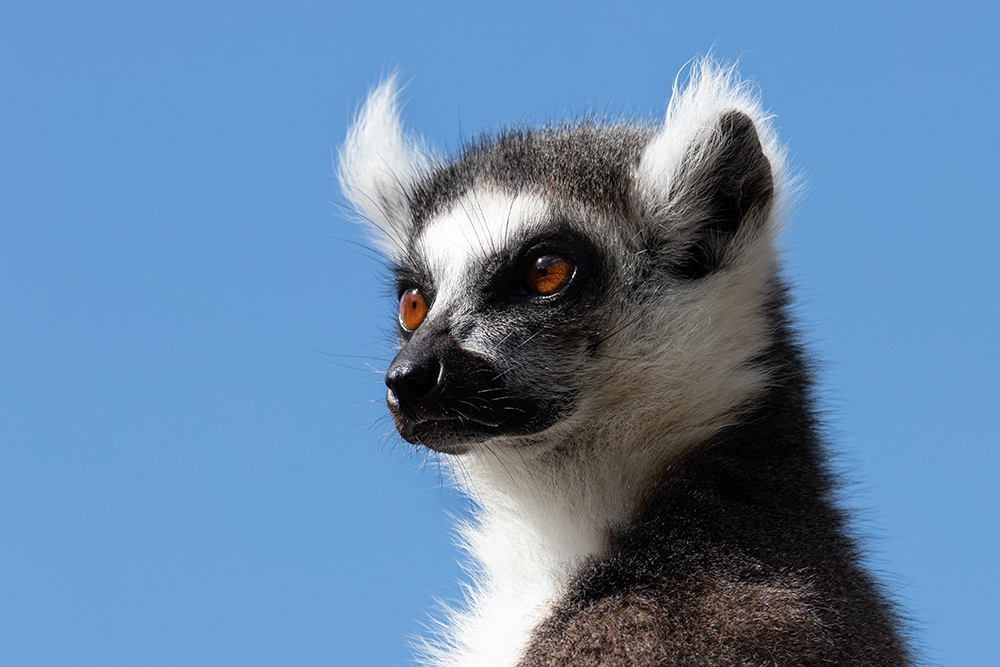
(594, 333)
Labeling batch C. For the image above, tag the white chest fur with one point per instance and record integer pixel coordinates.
(526, 544)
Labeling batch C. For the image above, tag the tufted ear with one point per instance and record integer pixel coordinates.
(379, 165)
(730, 188)
(710, 175)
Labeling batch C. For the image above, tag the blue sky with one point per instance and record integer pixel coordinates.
(194, 464)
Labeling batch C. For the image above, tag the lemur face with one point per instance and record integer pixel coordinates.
(573, 279)
(501, 301)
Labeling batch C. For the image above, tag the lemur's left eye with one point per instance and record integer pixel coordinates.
(548, 274)
(412, 309)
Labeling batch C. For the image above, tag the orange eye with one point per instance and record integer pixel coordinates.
(548, 274)
(412, 309)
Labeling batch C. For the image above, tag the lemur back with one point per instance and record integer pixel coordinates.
(594, 337)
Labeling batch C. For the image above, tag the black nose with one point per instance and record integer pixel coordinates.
(413, 382)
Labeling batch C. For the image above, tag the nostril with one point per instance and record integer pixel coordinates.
(422, 381)
(414, 383)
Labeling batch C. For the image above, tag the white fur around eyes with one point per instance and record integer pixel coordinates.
(480, 224)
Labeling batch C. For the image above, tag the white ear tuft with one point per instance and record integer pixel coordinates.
(690, 129)
(379, 164)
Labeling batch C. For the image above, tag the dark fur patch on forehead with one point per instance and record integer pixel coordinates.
(584, 162)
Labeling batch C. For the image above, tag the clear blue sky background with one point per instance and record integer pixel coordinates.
(194, 466)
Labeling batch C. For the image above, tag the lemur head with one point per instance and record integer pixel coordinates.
(557, 283)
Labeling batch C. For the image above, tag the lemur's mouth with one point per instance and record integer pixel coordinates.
(448, 436)
(452, 435)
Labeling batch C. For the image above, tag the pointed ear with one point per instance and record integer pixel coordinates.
(732, 187)
(709, 176)
(379, 165)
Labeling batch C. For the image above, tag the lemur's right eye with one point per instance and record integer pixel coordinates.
(548, 274)
(412, 309)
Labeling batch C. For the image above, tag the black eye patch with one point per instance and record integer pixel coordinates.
(504, 274)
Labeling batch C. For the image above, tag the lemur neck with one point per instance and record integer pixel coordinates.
(536, 523)
(559, 505)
